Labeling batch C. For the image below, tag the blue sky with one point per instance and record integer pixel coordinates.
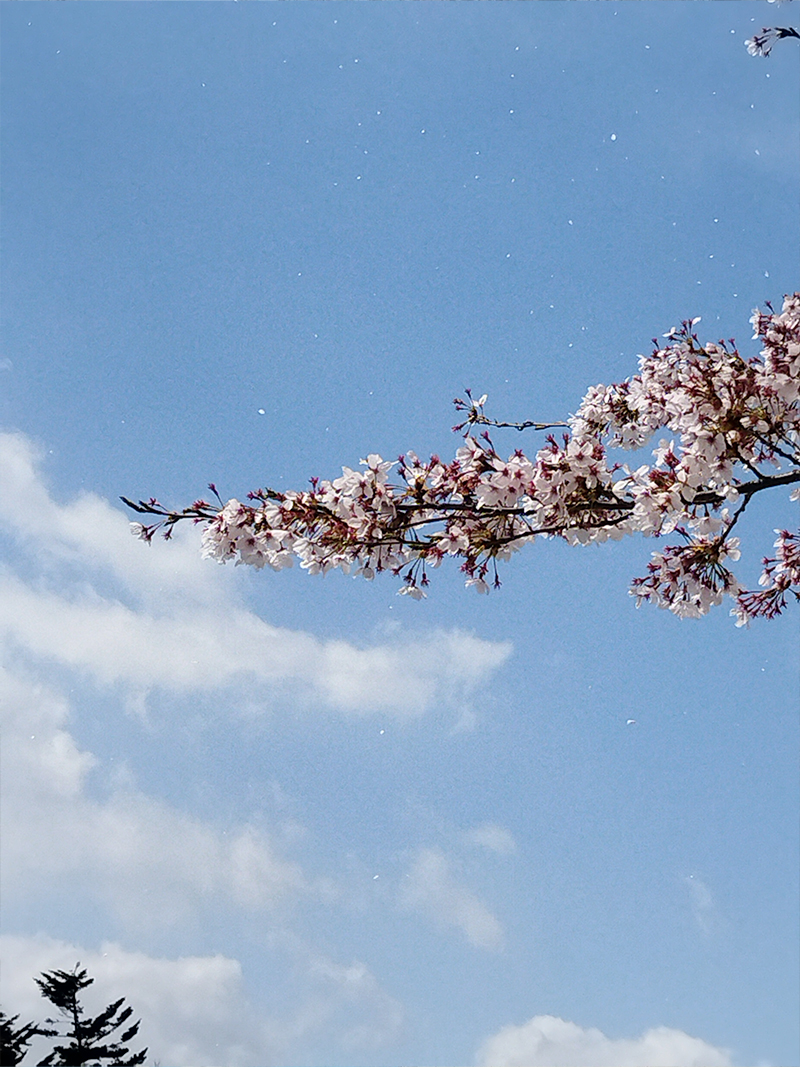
(305, 821)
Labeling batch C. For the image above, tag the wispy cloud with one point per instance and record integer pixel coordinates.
(701, 901)
(493, 837)
(431, 888)
(547, 1041)
(347, 990)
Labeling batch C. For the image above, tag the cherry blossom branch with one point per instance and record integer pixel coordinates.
(760, 44)
(487, 544)
(729, 418)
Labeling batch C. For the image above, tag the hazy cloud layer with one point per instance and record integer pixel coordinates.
(83, 596)
(79, 594)
(547, 1041)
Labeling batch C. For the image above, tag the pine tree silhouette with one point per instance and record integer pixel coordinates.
(87, 1036)
(14, 1040)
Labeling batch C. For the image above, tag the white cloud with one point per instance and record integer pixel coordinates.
(119, 612)
(492, 836)
(148, 861)
(194, 1010)
(430, 888)
(547, 1041)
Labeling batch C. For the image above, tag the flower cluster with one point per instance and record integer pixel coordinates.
(780, 576)
(732, 430)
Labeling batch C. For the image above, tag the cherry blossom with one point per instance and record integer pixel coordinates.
(726, 428)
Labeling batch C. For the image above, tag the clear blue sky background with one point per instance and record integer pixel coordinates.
(300, 821)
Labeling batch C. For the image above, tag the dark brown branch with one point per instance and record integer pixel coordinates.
(440, 510)
(476, 419)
